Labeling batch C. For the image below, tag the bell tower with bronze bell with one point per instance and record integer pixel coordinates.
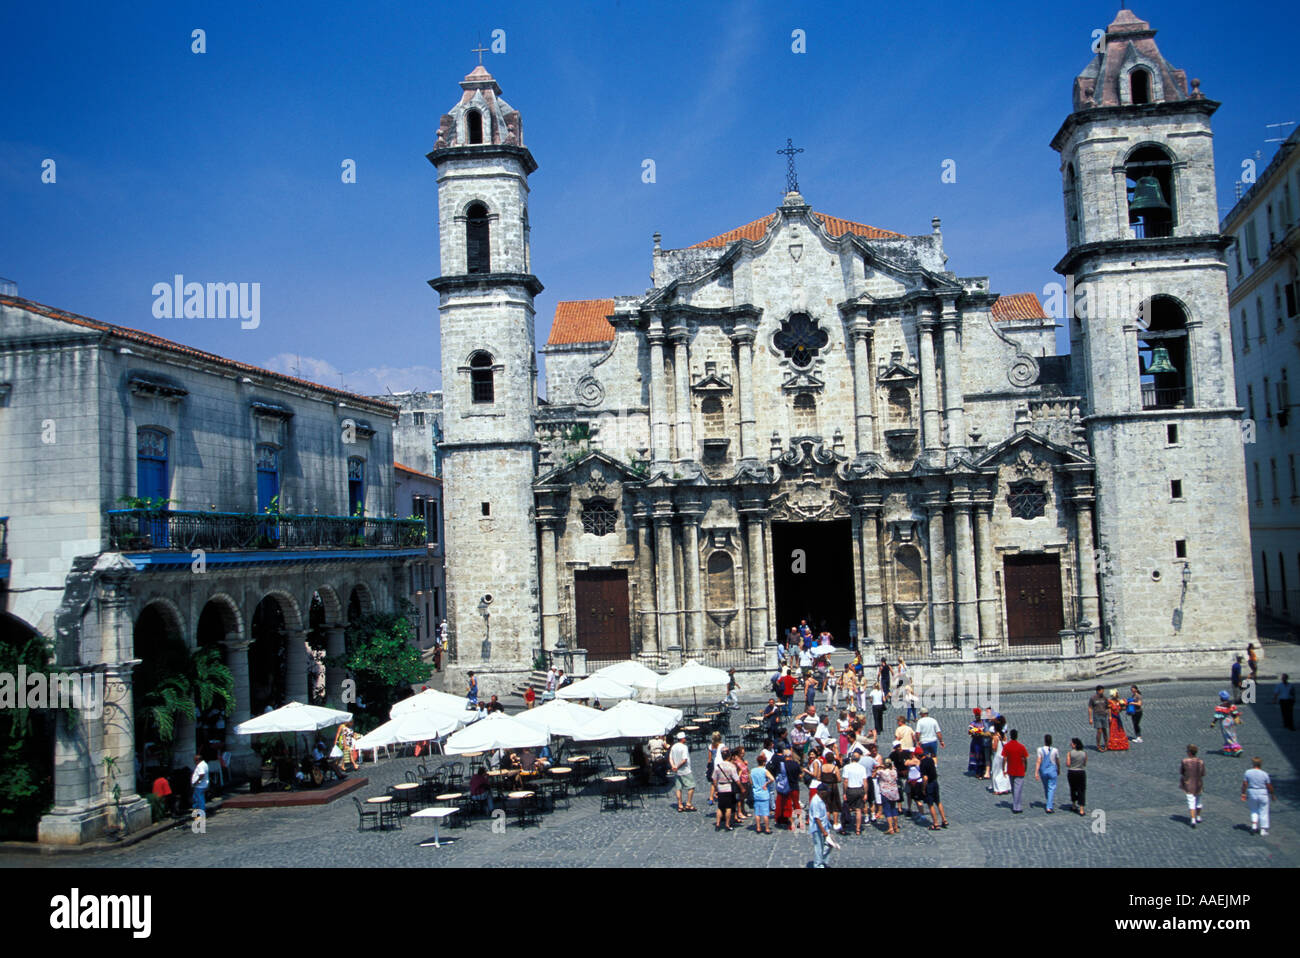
(1151, 353)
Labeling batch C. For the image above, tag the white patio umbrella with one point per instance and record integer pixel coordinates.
(420, 726)
(293, 717)
(693, 676)
(629, 720)
(632, 674)
(494, 732)
(430, 699)
(596, 687)
(558, 716)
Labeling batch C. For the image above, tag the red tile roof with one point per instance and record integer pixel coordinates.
(581, 321)
(414, 472)
(149, 339)
(833, 225)
(1018, 306)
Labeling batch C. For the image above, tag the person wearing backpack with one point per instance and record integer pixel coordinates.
(787, 774)
(1048, 769)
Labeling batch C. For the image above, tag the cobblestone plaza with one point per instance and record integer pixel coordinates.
(1144, 823)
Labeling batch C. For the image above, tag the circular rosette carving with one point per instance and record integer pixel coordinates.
(589, 391)
(1023, 372)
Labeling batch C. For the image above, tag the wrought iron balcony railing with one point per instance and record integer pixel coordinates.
(147, 530)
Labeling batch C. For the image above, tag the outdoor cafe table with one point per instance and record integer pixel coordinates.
(522, 797)
(404, 792)
(385, 807)
(437, 813)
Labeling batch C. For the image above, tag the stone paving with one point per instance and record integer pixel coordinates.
(1145, 813)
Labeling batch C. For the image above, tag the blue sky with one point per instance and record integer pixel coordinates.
(225, 166)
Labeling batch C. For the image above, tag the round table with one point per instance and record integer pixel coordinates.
(405, 792)
(379, 800)
(577, 759)
(522, 794)
(615, 778)
(562, 770)
(449, 797)
(473, 754)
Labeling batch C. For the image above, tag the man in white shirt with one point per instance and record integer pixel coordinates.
(199, 784)
(679, 760)
(928, 731)
(805, 660)
(855, 789)
(869, 759)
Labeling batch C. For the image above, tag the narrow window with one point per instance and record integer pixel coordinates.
(486, 508)
(1171, 434)
(1250, 401)
(431, 518)
(482, 385)
(1140, 87)
(1272, 471)
(1245, 333)
(1291, 464)
(356, 486)
(474, 124)
(1281, 578)
(1268, 593)
(417, 418)
(478, 245)
(1150, 173)
(1180, 548)
(151, 464)
(1259, 489)
(1175, 488)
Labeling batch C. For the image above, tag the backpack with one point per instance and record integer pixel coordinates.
(782, 781)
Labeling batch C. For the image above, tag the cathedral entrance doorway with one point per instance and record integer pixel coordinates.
(600, 607)
(1035, 615)
(812, 572)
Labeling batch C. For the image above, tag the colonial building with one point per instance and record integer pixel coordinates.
(808, 417)
(1264, 293)
(160, 500)
(419, 496)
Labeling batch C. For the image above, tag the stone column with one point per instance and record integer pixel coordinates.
(931, 438)
(550, 588)
(85, 750)
(985, 558)
(1083, 498)
(691, 512)
(872, 624)
(940, 618)
(235, 648)
(335, 648)
(665, 578)
(864, 387)
(756, 577)
(743, 337)
(953, 404)
(646, 581)
(295, 667)
(681, 375)
(658, 398)
(963, 549)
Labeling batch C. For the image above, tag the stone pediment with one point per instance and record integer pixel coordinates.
(711, 385)
(1029, 453)
(595, 471)
(803, 380)
(896, 372)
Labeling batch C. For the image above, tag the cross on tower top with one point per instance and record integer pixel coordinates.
(480, 50)
(791, 179)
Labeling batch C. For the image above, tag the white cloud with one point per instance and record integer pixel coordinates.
(368, 381)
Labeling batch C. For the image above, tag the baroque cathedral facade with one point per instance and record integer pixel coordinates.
(812, 418)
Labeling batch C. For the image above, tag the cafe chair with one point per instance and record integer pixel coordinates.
(365, 815)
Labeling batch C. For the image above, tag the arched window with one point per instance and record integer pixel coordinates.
(711, 411)
(478, 247)
(482, 387)
(1163, 355)
(474, 126)
(722, 581)
(1140, 86)
(1150, 173)
(805, 415)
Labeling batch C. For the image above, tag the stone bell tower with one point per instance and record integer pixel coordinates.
(1152, 353)
(489, 380)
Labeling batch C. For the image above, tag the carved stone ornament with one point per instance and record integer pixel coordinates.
(1029, 466)
(589, 391)
(810, 503)
(596, 481)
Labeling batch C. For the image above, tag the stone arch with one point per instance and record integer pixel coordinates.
(171, 615)
(289, 608)
(232, 617)
(361, 601)
(329, 597)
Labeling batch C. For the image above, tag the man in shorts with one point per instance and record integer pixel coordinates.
(855, 791)
(930, 782)
(679, 760)
(1099, 716)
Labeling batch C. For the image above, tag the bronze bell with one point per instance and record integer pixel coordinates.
(1147, 196)
(1160, 362)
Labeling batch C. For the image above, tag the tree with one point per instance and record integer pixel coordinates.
(26, 741)
(199, 681)
(383, 659)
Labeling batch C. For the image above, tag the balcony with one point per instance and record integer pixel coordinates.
(1153, 398)
(152, 530)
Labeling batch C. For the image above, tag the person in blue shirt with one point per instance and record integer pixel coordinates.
(472, 694)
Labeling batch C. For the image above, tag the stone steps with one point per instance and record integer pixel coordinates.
(1108, 663)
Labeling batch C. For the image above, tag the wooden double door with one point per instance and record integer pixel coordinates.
(1035, 612)
(601, 611)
